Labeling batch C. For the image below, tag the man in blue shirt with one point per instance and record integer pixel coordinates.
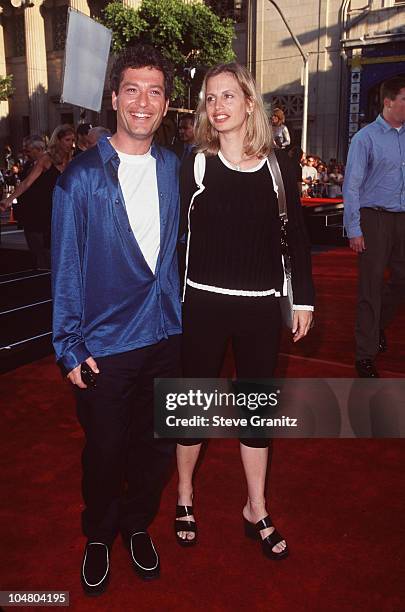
(374, 217)
(117, 311)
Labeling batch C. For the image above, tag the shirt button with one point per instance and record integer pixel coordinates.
(117, 201)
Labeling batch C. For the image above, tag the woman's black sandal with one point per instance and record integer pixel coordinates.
(253, 531)
(182, 524)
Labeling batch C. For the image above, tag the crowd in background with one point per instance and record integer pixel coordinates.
(27, 179)
(15, 166)
(316, 178)
(321, 179)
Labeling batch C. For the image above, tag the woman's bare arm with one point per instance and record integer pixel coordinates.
(41, 166)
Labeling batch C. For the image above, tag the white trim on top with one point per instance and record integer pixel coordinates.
(238, 292)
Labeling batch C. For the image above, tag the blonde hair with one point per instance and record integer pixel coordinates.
(279, 114)
(54, 150)
(258, 138)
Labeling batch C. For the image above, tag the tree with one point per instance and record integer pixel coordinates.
(190, 35)
(6, 87)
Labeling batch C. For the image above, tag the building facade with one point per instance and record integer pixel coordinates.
(352, 46)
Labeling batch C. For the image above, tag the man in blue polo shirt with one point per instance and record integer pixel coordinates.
(117, 311)
(374, 217)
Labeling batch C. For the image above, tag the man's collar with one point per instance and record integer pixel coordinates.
(385, 125)
(108, 152)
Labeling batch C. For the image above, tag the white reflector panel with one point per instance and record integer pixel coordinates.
(86, 59)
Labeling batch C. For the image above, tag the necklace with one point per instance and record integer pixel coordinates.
(235, 165)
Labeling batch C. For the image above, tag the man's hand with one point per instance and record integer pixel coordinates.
(302, 323)
(75, 377)
(357, 244)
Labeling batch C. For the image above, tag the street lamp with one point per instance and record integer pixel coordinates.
(305, 58)
(189, 74)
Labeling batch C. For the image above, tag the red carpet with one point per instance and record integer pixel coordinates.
(329, 348)
(340, 503)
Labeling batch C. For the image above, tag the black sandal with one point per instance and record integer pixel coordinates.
(181, 524)
(253, 531)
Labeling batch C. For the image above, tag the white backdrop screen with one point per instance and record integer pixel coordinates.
(86, 59)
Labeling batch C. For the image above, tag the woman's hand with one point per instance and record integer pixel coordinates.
(4, 204)
(43, 164)
(302, 322)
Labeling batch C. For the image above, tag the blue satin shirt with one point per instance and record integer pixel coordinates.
(106, 299)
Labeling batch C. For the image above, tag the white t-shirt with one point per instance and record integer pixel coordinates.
(137, 177)
(309, 172)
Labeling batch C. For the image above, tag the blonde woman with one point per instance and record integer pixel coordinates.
(234, 272)
(38, 188)
(281, 134)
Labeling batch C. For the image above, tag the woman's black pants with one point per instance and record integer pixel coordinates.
(210, 320)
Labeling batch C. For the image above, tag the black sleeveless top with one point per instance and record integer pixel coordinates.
(37, 202)
(235, 231)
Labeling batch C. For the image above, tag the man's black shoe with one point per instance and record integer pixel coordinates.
(95, 568)
(366, 369)
(144, 557)
(382, 342)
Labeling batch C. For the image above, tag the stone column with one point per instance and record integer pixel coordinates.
(80, 5)
(3, 72)
(37, 71)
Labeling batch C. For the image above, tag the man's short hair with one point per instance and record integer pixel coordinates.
(187, 117)
(35, 141)
(141, 56)
(391, 88)
(96, 133)
(100, 131)
(83, 129)
(37, 144)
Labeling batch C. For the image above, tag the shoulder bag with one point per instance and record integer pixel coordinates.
(287, 300)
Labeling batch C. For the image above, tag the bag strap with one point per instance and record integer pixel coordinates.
(199, 169)
(282, 202)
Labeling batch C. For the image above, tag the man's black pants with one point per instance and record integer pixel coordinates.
(124, 467)
(384, 235)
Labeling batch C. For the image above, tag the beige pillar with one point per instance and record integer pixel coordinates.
(80, 5)
(37, 71)
(3, 71)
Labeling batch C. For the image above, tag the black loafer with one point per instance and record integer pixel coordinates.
(144, 557)
(366, 368)
(382, 342)
(95, 568)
